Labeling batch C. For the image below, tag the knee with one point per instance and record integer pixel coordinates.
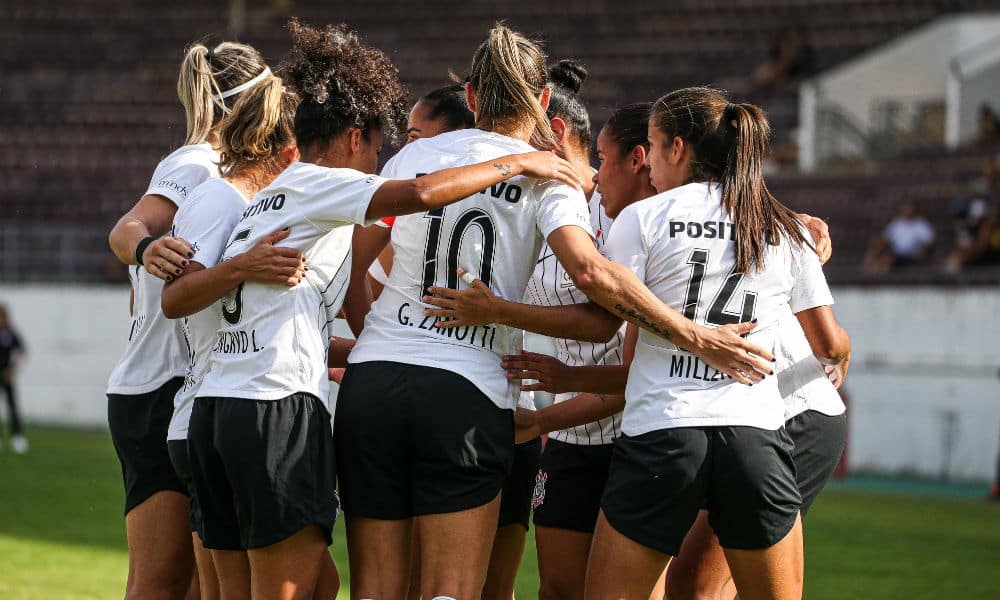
(160, 586)
(689, 588)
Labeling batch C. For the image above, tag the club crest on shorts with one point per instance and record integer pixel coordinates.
(538, 495)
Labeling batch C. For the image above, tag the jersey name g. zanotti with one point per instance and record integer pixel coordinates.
(205, 221)
(495, 235)
(681, 243)
(154, 351)
(550, 285)
(273, 339)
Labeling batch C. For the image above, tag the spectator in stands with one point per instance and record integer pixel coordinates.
(977, 240)
(791, 56)
(989, 124)
(11, 353)
(907, 240)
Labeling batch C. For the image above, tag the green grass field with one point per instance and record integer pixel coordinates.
(62, 534)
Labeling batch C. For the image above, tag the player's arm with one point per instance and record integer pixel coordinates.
(366, 245)
(406, 196)
(554, 376)
(478, 305)
(617, 289)
(263, 263)
(828, 339)
(150, 217)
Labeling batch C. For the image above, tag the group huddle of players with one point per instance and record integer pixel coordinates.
(695, 411)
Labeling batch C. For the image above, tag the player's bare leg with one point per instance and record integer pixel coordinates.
(414, 590)
(774, 573)
(455, 551)
(160, 556)
(233, 570)
(208, 579)
(287, 570)
(700, 571)
(620, 569)
(562, 562)
(505, 560)
(328, 582)
(379, 552)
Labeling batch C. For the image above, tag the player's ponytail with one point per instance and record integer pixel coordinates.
(209, 83)
(728, 145)
(508, 74)
(259, 126)
(566, 78)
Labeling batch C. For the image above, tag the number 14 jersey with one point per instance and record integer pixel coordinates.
(681, 244)
(495, 235)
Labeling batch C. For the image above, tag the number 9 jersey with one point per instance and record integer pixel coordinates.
(495, 235)
(681, 244)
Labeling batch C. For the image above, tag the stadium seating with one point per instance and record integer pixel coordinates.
(88, 104)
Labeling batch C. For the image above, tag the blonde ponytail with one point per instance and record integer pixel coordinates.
(204, 75)
(509, 73)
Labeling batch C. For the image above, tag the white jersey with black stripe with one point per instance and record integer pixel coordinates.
(273, 339)
(681, 244)
(495, 235)
(550, 285)
(801, 379)
(154, 352)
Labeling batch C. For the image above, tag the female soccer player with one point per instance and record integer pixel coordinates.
(256, 143)
(259, 438)
(437, 396)
(715, 243)
(142, 387)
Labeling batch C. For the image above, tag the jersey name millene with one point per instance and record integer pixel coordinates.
(689, 366)
(712, 230)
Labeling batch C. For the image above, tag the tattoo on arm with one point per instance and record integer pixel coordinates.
(630, 313)
(504, 169)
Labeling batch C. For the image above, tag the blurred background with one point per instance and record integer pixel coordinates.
(886, 117)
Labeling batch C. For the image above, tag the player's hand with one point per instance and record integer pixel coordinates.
(837, 373)
(477, 305)
(167, 257)
(526, 427)
(551, 374)
(545, 164)
(820, 233)
(336, 375)
(724, 348)
(267, 263)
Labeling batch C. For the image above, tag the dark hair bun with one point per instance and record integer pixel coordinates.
(568, 74)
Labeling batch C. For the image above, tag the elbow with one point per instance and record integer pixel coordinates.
(833, 349)
(422, 194)
(605, 326)
(170, 309)
(588, 277)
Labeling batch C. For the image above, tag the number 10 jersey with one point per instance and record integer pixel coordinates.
(495, 235)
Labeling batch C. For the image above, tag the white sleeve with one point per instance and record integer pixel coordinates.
(206, 222)
(335, 197)
(809, 288)
(625, 243)
(560, 205)
(174, 181)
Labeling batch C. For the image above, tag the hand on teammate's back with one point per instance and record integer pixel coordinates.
(267, 263)
(167, 257)
(477, 305)
(551, 374)
(724, 348)
(526, 426)
(837, 373)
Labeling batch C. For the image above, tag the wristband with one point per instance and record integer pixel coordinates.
(140, 248)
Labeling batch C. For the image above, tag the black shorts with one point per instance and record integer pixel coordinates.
(516, 498)
(139, 432)
(745, 476)
(182, 466)
(819, 443)
(417, 440)
(262, 470)
(570, 485)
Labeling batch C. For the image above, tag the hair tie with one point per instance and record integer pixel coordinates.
(730, 115)
(244, 86)
(210, 57)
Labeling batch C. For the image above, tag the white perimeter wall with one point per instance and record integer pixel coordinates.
(924, 387)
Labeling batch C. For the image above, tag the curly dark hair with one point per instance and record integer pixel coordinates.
(343, 83)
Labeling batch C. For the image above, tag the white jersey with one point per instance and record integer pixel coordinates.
(801, 379)
(154, 352)
(496, 235)
(681, 244)
(205, 221)
(273, 339)
(550, 285)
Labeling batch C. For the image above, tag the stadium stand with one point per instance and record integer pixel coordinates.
(88, 105)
